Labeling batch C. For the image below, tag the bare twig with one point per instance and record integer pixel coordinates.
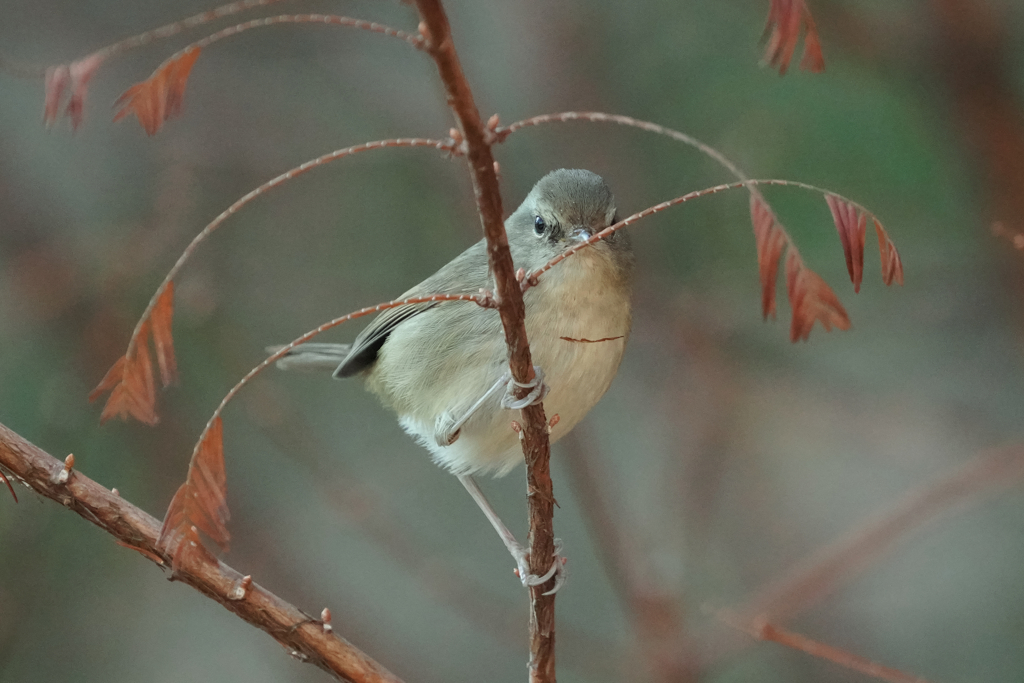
(762, 630)
(262, 189)
(173, 28)
(133, 528)
(536, 447)
(825, 570)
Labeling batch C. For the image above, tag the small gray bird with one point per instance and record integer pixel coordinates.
(443, 366)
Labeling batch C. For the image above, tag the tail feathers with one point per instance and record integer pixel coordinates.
(312, 357)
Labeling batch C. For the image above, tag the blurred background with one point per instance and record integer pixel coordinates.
(723, 465)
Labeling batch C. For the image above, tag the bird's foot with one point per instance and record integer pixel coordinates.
(558, 568)
(538, 390)
(447, 429)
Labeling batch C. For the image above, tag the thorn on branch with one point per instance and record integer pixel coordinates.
(241, 588)
(518, 429)
(428, 39)
(65, 473)
(325, 620)
(456, 143)
(553, 421)
(491, 134)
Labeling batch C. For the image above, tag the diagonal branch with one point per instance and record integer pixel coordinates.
(131, 527)
(536, 447)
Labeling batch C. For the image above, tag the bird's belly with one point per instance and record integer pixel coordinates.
(578, 344)
(577, 333)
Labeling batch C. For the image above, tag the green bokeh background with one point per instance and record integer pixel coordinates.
(725, 454)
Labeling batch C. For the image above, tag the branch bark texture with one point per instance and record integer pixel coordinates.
(536, 446)
(304, 637)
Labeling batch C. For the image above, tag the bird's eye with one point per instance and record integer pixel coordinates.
(539, 226)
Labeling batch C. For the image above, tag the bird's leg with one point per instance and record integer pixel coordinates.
(516, 549)
(538, 390)
(447, 428)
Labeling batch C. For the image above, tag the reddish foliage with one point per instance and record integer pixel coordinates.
(142, 551)
(9, 487)
(161, 317)
(131, 386)
(200, 504)
(159, 97)
(761, 629)
(811, 299)
(770, 240)
(851, 223)
(785, 19)
(76, 75)
(130, 380)
(892, 265)
(57, 79)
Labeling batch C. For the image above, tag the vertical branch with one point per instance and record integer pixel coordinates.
(437, 33)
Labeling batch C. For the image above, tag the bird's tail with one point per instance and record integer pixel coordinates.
(312, 357)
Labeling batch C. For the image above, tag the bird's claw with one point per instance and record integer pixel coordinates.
(558, 569)
(538, 390)
(446, 430)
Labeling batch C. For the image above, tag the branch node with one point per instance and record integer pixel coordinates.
(62, 477)
(457, 146)
(553, 421)
(486, 299)
(526, 280)
(241, 588)
(428, 39)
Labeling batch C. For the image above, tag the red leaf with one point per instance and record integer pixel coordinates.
(82, 72)
(109, 381)
(811, 300)
(161, 317)
(892, 265)
(159, 97)
(200, 504)
(813, 59)
(130, 383)
(770, 240)
(785, 18)
(9, 487)
(852, 224)
(57, 79)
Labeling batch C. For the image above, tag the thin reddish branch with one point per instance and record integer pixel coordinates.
(536, 447)
(118, 375)
(176, 27)
(131, 527)
(823, 572)
(9, 487)
(159, 98)
(763, 630)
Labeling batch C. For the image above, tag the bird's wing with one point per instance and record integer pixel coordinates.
(465, 274)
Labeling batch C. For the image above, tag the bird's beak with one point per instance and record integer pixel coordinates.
(581, 234)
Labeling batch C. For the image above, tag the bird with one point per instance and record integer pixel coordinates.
(442, 367)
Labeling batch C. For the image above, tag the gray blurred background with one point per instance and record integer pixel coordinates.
(722, 456)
